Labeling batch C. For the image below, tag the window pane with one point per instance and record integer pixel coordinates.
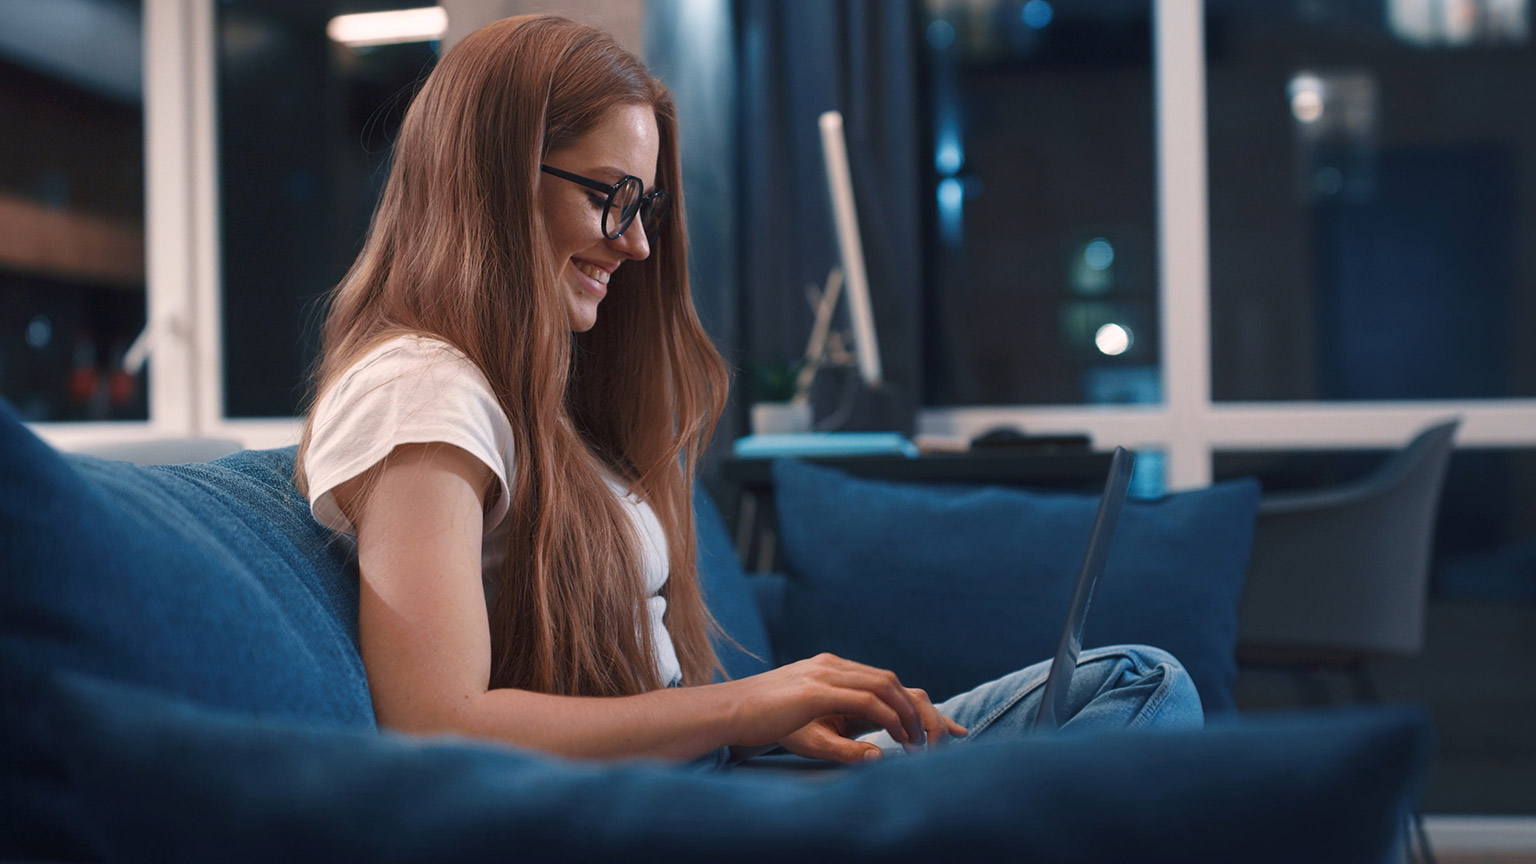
(1474, 673)
(1041, 208)
(305, 126)
(1373, 217)
(71, 208)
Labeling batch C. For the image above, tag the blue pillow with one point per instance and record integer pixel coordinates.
(209, 580)
(151, 777)
(953, 587)
(727, 594)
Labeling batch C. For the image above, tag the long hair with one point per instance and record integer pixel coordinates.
(457, 250)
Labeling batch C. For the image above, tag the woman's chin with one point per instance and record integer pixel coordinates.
(583, 317)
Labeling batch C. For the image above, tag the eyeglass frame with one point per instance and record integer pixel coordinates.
(646, 201)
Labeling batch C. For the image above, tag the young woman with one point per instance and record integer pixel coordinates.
(513, 392)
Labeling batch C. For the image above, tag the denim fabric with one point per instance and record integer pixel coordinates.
(1117, 687)
(952, 586)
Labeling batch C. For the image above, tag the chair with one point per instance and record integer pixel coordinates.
(1341, 575)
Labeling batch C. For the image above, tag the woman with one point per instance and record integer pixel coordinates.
(517, 466)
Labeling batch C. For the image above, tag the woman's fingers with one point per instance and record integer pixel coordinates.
(938, 728)
(818, 741)
(829, 685)
(884, 686)
(862, 703)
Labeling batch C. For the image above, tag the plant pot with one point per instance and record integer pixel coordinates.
(779, 418)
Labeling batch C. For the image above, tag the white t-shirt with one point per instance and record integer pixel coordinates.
(416, 390)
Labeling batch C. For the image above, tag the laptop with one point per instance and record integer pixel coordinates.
(1058, 680)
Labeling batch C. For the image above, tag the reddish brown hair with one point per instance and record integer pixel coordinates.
(457, 250)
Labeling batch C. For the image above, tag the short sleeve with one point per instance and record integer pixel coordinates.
(410, 390)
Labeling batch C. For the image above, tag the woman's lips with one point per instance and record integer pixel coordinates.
(595, 278)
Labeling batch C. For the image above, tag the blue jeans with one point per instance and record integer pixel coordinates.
(1114, 687)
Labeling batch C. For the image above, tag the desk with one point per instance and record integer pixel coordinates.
(1078, 470)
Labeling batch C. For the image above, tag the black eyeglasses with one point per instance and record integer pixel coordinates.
(626, 198)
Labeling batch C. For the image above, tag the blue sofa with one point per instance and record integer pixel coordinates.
(181, 682)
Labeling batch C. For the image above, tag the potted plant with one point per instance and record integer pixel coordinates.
(780, 406)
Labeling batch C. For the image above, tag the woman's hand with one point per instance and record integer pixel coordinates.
(833, 737)
(812, 707)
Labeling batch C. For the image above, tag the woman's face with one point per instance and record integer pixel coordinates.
(624, 142)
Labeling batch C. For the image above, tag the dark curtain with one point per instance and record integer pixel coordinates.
(796, 59)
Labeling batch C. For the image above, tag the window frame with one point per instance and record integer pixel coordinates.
(182, 261)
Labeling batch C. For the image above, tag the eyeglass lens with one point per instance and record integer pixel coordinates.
(627, 201)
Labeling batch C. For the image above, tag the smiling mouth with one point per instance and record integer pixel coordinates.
(596, 274)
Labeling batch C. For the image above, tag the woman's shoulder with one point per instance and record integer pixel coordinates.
(408, 389)
(406, 350)
(410, 377)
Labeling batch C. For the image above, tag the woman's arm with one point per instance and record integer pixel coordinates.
(426, 644)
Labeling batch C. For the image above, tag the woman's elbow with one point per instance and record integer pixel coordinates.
(439, 713)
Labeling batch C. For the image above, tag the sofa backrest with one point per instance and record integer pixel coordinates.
(209, 580)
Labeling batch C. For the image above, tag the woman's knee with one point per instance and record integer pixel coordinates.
(1173, 702)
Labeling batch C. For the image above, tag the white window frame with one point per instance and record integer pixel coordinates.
(182, 258)
(1188, 426)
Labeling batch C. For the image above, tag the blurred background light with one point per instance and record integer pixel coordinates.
(1037, 14)
(39, 331)
(1306, 92)
(1113, 339)
(1099, 254)
(941, 34)
(947, 155)
(426, 24)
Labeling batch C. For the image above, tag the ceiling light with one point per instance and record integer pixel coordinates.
(388, 28)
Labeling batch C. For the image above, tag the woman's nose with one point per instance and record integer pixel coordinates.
(633, 243)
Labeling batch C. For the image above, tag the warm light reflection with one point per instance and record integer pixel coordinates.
(1306, 93)
(1459, 22)
(389, 28)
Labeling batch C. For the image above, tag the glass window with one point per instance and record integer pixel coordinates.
(71, 208)
(1474, 672)
(305, 126)
(1041, 209)
(1373, 216)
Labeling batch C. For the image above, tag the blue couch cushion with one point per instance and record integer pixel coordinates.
(151, 777)
(724, 585)
(210, 580)
(953, 587)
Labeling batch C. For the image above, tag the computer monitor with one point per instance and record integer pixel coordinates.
(834, 150)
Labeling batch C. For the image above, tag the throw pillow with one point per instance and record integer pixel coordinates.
(951, 587)
(745, 650)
